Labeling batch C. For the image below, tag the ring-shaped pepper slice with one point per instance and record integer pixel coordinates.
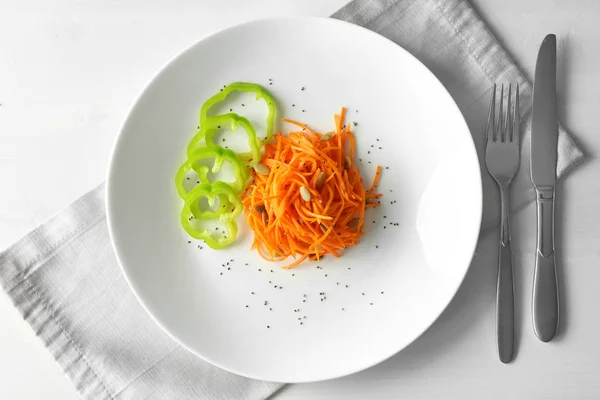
(220, 155)
(211, 125)
(225, 216)
(261, 93)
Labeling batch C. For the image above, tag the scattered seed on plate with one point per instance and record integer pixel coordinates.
(302, 88)
(243, 105)
(268, 327)
(302, 110)
(251, 292)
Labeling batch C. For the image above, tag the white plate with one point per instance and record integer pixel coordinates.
(410, 272)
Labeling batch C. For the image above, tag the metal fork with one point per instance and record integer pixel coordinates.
(502, 161)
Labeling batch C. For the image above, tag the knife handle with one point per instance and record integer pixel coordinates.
(545, 289)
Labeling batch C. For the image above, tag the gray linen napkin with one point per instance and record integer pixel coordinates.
(64, 279)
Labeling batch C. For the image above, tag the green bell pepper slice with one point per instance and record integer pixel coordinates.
(261, 93)
(220, 155)
(211, 125)
(226, 214)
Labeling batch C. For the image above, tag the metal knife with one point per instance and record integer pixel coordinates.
(544, 142)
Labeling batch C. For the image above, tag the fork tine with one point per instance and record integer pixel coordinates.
(499, 124)
(507, 134)
(516, 117)
(491, 123)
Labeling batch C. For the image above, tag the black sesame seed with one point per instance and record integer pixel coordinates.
(385, 216)
(189, 241)
(251, 292)
(381, 292)
(302, 88)
(243, 105)
(228, 269)
(231, 109)
(372, 145)
(363, 294)
(369, 152)
(376, 246)
(268, 327)
(188, 178)
(355, 123)
(221, 273)
(377, 140)
(371, 303)
(303, 110)
(346, 285)
(293, 105)
(380, 148)
(259, 270)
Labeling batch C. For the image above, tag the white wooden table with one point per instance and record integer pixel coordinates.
(69, 71)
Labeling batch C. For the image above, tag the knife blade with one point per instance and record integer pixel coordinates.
(544, 143)
(544, 125)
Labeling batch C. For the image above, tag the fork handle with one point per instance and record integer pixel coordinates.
(505, 298)
(545, 289)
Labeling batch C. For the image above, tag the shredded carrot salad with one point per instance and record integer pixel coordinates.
(307, 198)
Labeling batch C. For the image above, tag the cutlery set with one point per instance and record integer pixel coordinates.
(502, 161)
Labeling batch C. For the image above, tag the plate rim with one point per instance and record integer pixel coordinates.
(136, 104)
